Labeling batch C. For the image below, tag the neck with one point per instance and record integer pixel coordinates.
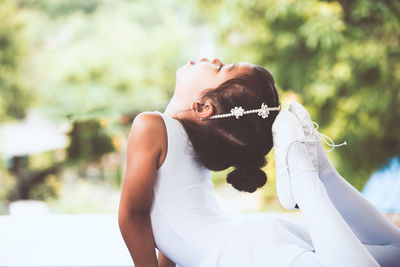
(179, 111)
(176, 110)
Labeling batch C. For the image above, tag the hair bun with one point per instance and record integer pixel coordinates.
(247, 178)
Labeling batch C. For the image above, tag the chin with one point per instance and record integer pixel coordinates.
(178, 74)
(181, 69)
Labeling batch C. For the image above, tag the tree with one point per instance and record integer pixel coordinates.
(15, 97)
(342, 58)
(90, 62)
(100, 59)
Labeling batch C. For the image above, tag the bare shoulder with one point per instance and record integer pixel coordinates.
(149, 130)
(148, 121)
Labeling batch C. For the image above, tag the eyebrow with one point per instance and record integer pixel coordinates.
(232, 67)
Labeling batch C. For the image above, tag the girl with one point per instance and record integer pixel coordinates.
(228, 115)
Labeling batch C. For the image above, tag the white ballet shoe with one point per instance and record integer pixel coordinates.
(286, 131)
(310, 134)
(312, 138)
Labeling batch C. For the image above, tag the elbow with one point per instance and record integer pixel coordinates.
(131, 225)
(124, 219)
(129, 215)
(121, 219)
(132, 217)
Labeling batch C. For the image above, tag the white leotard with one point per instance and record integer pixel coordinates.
(191, 228)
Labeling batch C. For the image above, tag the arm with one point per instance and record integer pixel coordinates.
(144, 147)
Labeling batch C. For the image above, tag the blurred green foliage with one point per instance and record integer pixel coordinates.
(86, 62)
(14, 94)
(341, 57)
(88, 141)
(7, 184)
(94, 59)
(50, 188)
(91, 61)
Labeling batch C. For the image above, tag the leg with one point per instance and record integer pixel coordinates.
(370, 226)
(385, 255)
(378, 234)
(330, 234)
(365, 220)
(374, 230)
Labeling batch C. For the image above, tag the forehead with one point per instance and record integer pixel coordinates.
(238, 68)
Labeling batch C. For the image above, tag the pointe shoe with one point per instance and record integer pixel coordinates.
(286, 131)
(310, 133)
(313, 139)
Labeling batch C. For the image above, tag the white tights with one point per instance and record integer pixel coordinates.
(345, 228)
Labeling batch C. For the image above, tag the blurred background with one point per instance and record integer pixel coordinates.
(73, 75)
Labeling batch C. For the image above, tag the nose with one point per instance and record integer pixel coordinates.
(217, 61)
(204, 59)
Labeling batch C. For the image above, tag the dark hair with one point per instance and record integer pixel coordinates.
(242, 143)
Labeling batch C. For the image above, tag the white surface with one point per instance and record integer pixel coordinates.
(68, 240)
(62, 240)
(28, 207)
(31, 136)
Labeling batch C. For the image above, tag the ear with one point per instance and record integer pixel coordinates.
(203, 110)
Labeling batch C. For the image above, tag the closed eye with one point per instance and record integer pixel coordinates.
(220, 67)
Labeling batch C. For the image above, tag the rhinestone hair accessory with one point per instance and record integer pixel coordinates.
(239, 111)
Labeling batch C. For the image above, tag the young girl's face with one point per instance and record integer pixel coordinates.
(195, 77)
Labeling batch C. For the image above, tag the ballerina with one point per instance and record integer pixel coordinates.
(224, 115)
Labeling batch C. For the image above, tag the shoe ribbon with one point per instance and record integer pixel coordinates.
(325, 138)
